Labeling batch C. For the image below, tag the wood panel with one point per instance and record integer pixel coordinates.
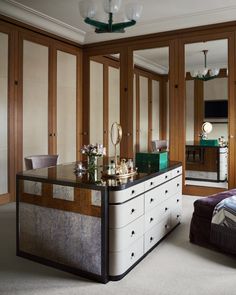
(163, 110)
(137, 84)
(105, 108)
(126, 102)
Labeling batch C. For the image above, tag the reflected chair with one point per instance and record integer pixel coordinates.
(159, 145)
(40, 161)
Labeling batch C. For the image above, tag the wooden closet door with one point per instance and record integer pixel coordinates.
(35, 99)
(66, 106)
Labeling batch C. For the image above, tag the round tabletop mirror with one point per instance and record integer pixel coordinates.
(207, 127)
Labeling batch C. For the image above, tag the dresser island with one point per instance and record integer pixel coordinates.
(94, 227)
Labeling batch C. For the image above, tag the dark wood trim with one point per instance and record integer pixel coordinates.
(79, 104)
(201, 190)
(6, 198)
(86, 99)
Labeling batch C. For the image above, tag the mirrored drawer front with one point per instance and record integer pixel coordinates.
(119, 262)
(121, 238)
(156, 214)
(177, 171)
(155, 181)
(123, 214)
(126, 194)
(155, 234)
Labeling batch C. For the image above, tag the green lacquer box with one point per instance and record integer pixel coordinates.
(209, 142)
(147, 161)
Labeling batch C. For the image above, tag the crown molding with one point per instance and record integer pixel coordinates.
(177, 22)
(20, 12)
(150, 65)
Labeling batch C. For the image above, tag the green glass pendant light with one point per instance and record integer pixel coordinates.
(88, 11)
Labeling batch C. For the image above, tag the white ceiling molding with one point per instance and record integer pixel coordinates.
(150, 65)
(40, 20)
(163, 24)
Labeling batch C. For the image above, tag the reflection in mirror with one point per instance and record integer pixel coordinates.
(104, 99)
(151, 111)
(206, 81)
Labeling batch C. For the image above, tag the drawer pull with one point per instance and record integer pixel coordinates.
(132, 255)
(151, 219)
(167, 226)
(133, 191)
(151, 239)
(166, 176)
(151, 183)
(151, 200)
(166, 208)
(177, 171)
(177, 184)
(132, 233)
(132, 211)
(166, 191)
(178, 216)
(177, 200)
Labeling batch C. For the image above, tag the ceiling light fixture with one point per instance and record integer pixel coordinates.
(88, 11)
(205, 74)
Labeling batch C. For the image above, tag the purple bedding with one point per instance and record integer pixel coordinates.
(200, 228)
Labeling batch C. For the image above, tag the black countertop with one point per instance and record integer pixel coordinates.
(63, 174)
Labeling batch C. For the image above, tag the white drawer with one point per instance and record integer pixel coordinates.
(155, 181)
(126, 194)
(122, 238)
(155, 234)
(156, 214)
(177, 171)
(159, 194)
(122, 214)
(121, 261)
(175, 216)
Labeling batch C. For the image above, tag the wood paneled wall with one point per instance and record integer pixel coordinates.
(175, 40)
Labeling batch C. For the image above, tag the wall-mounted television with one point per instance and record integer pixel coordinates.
(216, 109)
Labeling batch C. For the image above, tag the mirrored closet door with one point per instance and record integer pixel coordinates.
(4, 185)
(151, 99)
(206, 84)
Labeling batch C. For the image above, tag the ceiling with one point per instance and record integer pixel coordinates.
(62, 17)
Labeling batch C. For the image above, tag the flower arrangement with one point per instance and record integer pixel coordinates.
(96, 150)
(93, 151)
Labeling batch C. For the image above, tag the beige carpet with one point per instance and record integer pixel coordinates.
(175, 267)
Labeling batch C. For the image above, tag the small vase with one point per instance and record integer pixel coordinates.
(92, 163)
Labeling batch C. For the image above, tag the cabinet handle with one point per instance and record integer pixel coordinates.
(166, 208)
(151, 183)
(177, 171)
(132, 255)
(151, 200)
(133, 191)
(132, 211)
(166, 191)
(178, 216)
(166, 176)
(132, 233)
(167, 226)
(177, 200)
(151, 219)
(151, 239)
(177, 184)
